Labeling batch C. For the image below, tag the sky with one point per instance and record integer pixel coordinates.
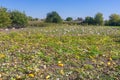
(65, 8)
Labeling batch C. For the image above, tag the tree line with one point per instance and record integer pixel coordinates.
(13, 18)
(17, 19)
(98, 19)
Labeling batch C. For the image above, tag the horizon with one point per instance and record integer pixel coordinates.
(74, 9)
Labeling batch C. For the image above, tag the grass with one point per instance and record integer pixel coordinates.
(60, 53)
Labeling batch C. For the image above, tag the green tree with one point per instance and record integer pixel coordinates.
(30, 18)
(99, 19)
(79, 19)
(53, 17)
(69, 19)
(4, 18)
(19, 19)
(114, 20)
(89, 20)
(106, 22)
(36, 19)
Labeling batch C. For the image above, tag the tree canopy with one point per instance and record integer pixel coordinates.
(5, 20)
(53, 17)
(99, 19)
(114, 20)
(69, 19)
(89, 20)
(18, 18)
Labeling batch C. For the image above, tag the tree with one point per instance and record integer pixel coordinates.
(99, 19)
(36, 19)
(19, 19)
(106, 22)
(30, 18)
(89, 20)
(69, 19)
(53, 17)
(79, 19)
(4, 18)
(114, 20)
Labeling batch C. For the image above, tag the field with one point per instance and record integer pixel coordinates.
(60, 53)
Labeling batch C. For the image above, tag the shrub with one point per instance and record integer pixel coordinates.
(4, 18)
(88, 21)
(114, 20)
(69, 19)
(19, 19)
(99, 19)
(53, 17)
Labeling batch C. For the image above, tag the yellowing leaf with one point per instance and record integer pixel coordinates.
(101, 62)
(2, 56)
(91, 57)
(94, 60)
(31, 75)
(59, 42)
(18, 77)
(60, 64)
(108, 63)
(110, 59)
(62, 72)
(48, 76)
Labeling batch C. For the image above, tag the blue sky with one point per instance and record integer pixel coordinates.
(65, 8)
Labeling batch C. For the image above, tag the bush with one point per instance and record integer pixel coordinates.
(4, 18)
(53, 17)
(89, 21)
(19, 19)
(114, 20)
(69, 19)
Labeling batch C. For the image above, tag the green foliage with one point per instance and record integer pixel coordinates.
(4, 18)
(114, 20)
(53, 17)
(99, 19)
(19, 19)
(89, 20)
(79, 19)
(30, 18)
(41, 24)
(94, 51)
(80, 50)
(88, 66)
(106, 22)
(69, 19)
